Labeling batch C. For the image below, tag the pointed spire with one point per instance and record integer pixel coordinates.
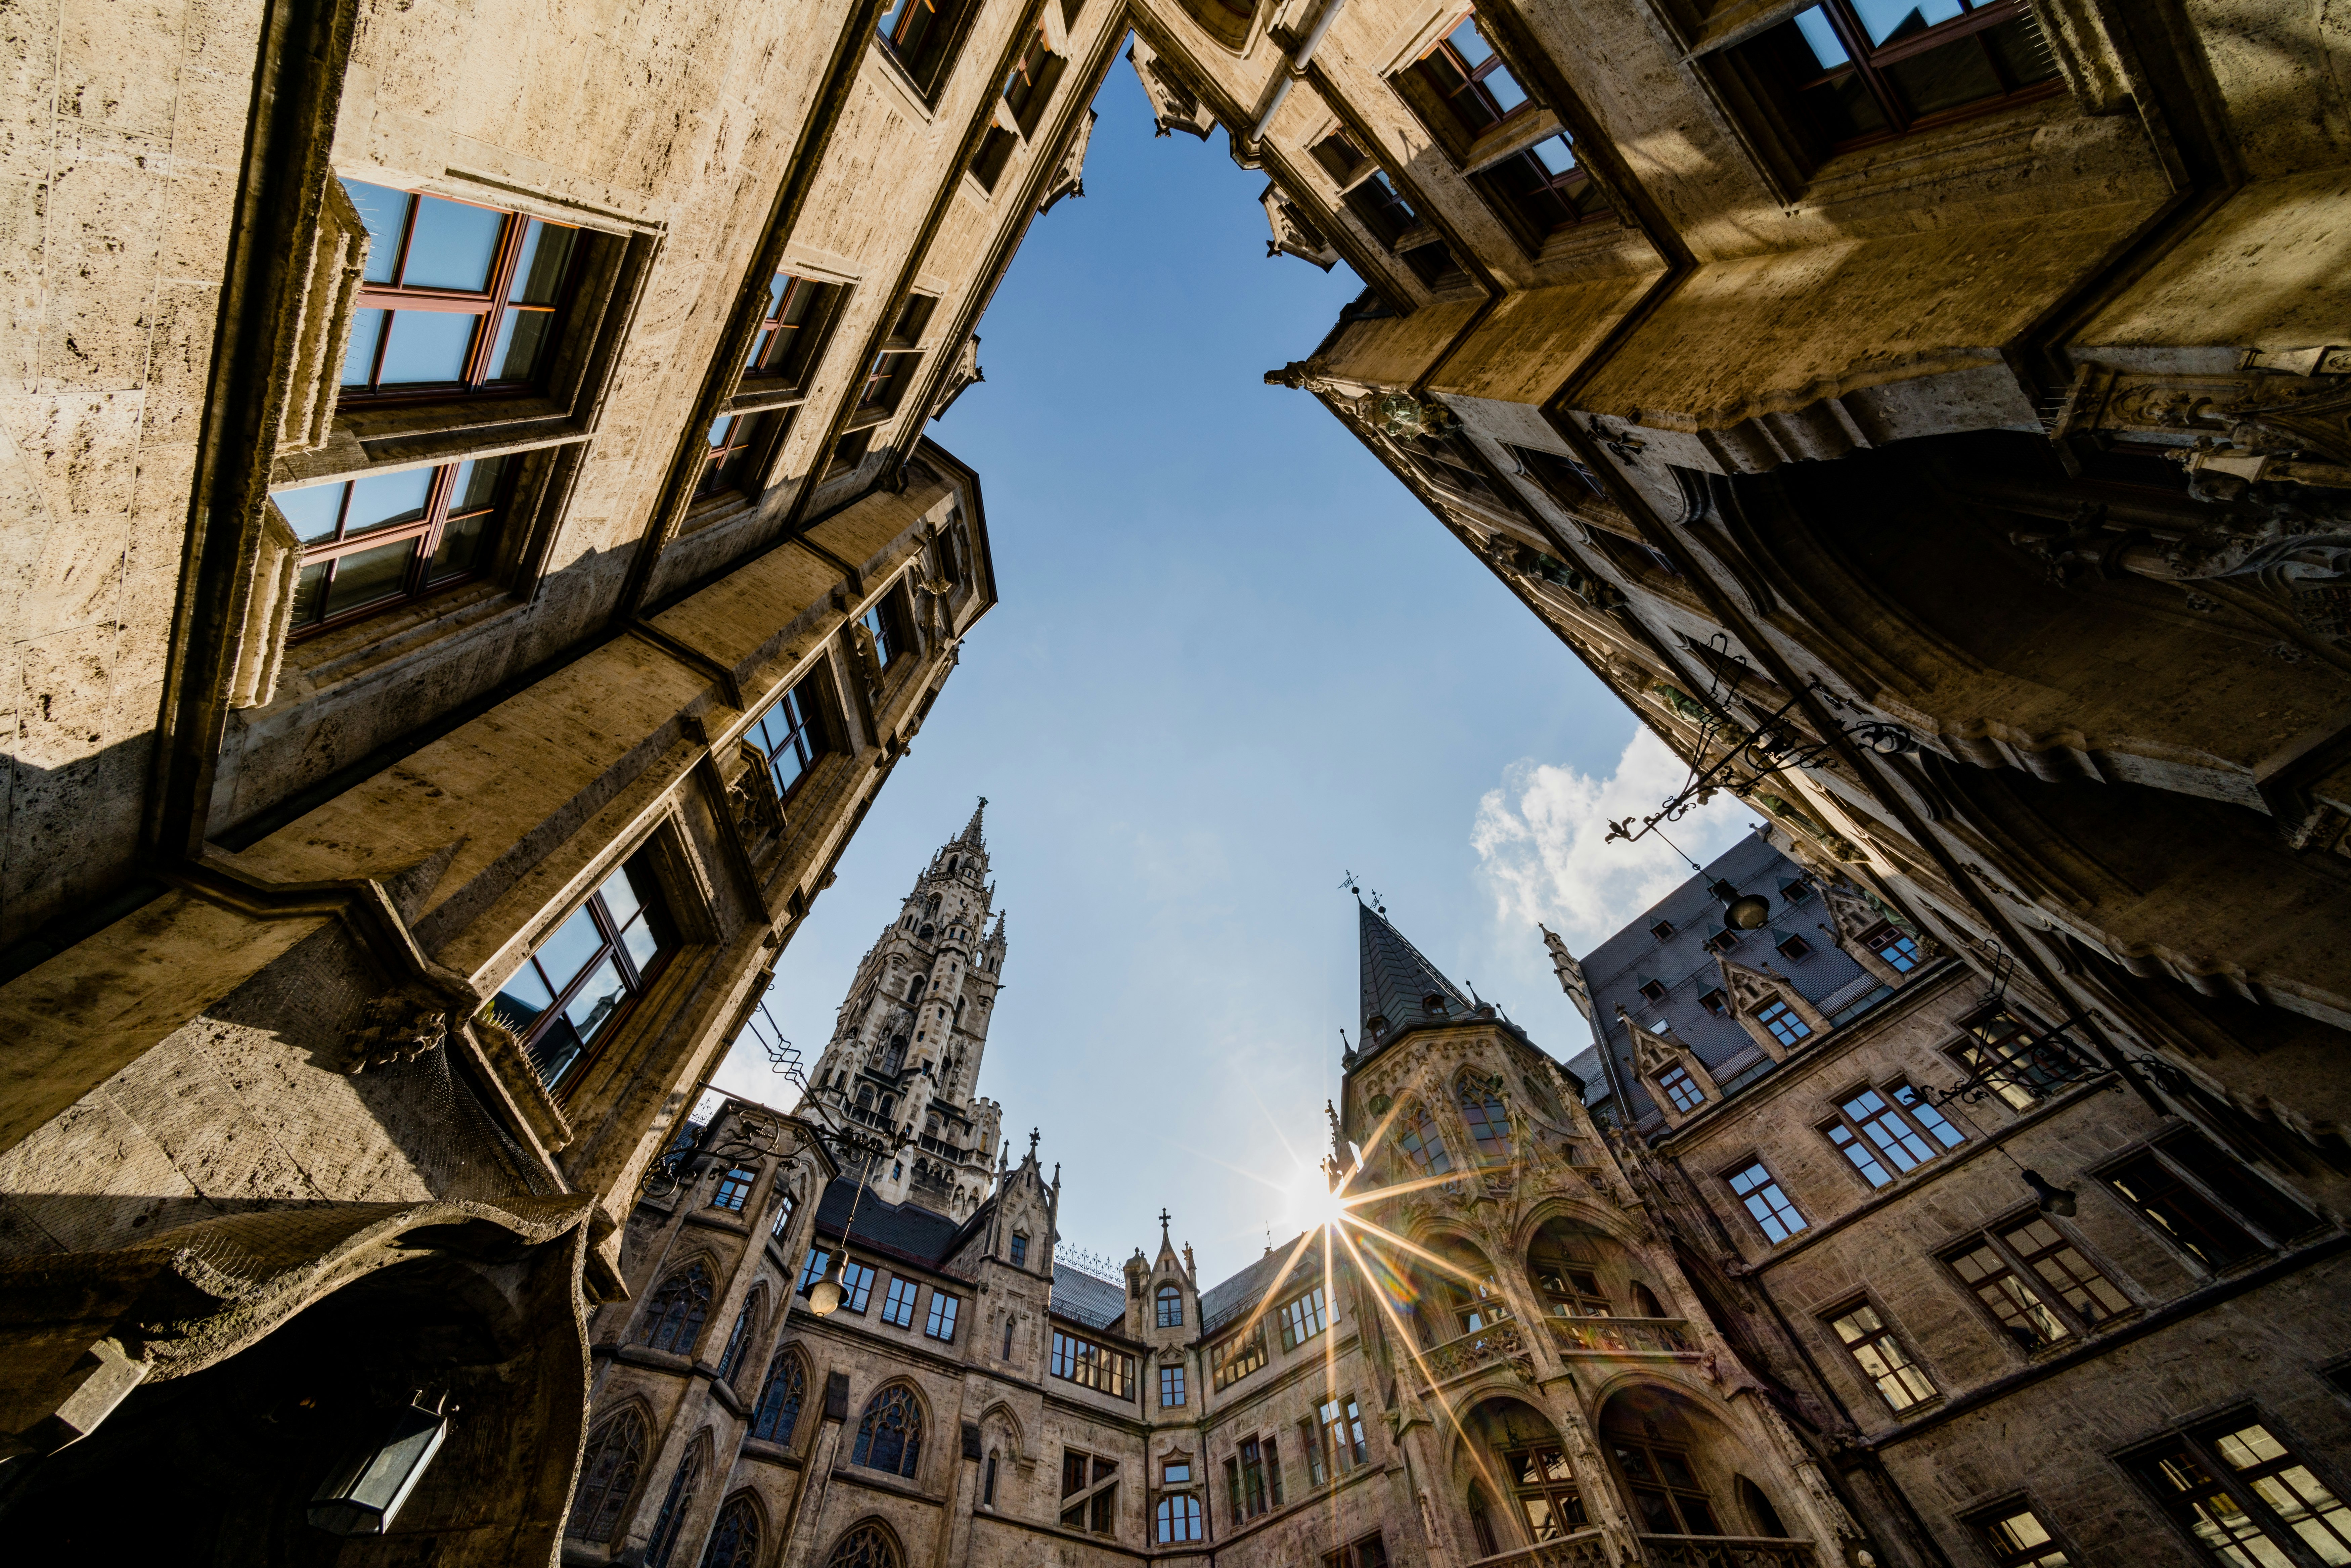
(971, 833)
(1398, 983)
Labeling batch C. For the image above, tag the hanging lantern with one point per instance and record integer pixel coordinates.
(824, 1296)
(2053, 1199)
(1741, 911)
(363, 1495)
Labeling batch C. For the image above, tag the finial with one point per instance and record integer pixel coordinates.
(1331, 1111)
(1268, 1235)
(1032, 1142)
(1162, 1228)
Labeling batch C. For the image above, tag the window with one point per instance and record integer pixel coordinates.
(1342, 1426)
(1781, 1020)
(1088, 1492)
(730, 464)
(2018, 1308)
(894, 367)
(886, 620)
(784, 1208)
(457, 297)
(1653, 988)
(608, 1475)
(849, 453)
(2153, 1182)
(1318, 1465)
(789, 336)
(1875, 1135)
(1171, 1388)
(1171, 1307)
(1179, 1518)
(856, 1279)
(1030, 82)
(1019, 1250)
(1665, 1491)
(898, 1306)
(733, 1188)
(738, 1338)
(941, 1323)
(1091, 1366)
(1236, 1358)
(1482, 1108)
(1481, 1522)
(735, 1538)
(987, 1491)
(568, 992)
(1767, 1205)
(2045, 1251)
(1301, 1317)
(675, 1504)
(780, 1402)
(1559, 476)
(1463, 70)
(864, 1547)
(1722, 941)
(923, 34)
(1008, 1338)
(1544, 1485)
(1378, 208)
(2014, 1537)
(1899, 953)
(1846, 72)
(2023, 1068)
(1178, 1472)
(1714, 1002)
(1795, 892)
(1421, 1146)
(1881, 1358)
(375, 543)
(1368, 1553)
(1252, 1498)
(1792, 947)
(1543, 189)
(673, 1318)
(2247, 1498)
(1478, 1306)
(889, 1437)
(1662, 929)
(1681, 1089)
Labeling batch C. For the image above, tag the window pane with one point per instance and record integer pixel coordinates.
(368, 576)
(460, 550)
(1470, 42)
(523, 338)
(382, 499)
(426, 346)
(641, 943)
(453, 245)
(382, 210)
(620, 896)
(311, 510)
(1555, 154)
(546, 255)
(595, 1002)
(1507, 93)
(1888, 20)
(1814, 26)
(575, 942)
(359, 360)
(522, 999)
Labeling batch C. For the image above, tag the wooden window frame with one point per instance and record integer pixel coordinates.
(426, 534)
(1879, 1336)
(2009, 1298)
(2198, 1458)
(898, 1304)
(1541, 1478)
(1775, 1013)
(1776, 1200)
(1103, 1368)
(1304, 1317)
(779, 363)
(734, 1188)
(641, 873)
(2008, 1548)
(1171, 1379)
(939, 1320)
(2199, 1174)
(1470, 83)
(1884, 1126)
(1177, 1519)
(1092, 1496)
(1168, 1306)
(924, 39)
(1236, 1356)
(1677, 1496)
(1674, 1080)
(798, 729)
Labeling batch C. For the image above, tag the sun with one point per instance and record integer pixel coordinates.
(1313, 1203)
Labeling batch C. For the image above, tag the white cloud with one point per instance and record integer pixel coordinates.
(1541, 840)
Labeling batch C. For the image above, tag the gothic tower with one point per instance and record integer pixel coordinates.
(905, 1051)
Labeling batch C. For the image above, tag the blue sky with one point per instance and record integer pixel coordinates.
(1233, 661)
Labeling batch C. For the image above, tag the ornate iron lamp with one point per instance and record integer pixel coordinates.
(363, 1494)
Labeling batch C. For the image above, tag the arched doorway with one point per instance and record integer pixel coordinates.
(1513, 1480)
(1595, 1291)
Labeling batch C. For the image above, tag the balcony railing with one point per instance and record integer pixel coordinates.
(1496, 1341)
(1584, 1549)
(1622, 1336)
(1726, 1551)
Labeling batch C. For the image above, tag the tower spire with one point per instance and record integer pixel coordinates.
(1402, 989)
(971, 830)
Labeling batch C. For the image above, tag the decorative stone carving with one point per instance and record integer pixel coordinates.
(1400, 416)
(1753, 990)
(965, 372)
(1294, 233)
(398, 1027)
(1174, 105)
(1069, 175)
(269, 612)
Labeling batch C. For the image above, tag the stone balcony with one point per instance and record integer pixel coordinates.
(1726, 1551)
(1584, 1549)
(1622, 1336)
(1502, 1341)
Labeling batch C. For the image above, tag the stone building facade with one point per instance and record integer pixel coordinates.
(1932, 416)
(1495, 1356)
(473, 560)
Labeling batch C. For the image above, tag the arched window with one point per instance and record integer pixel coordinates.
(889, 1437)
(914, 989)
(616, 1453)
(780, 1402)
(1481, 1524)
(675, 1505)
(735, 1539)
(1171, 1307)
(1645, 1302)
(673, 1322)
(867, 1546)
(1179, 1518)
(1422, 1144)
(739, 1339)
(1482, 1108)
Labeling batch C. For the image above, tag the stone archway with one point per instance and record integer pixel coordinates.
(1686, 1477)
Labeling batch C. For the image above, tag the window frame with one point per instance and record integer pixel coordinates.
(637, 980)
(1863, 1135)
(1169, 1306)
(1236, 1356)
(1880, 1334)
(2201, 1442)
(768, 372)
(426, 533)
(2052, 1551)
(944, 1308)
(927, 55)
(1306, 1308)
(1172, 1377)
(1105, 1369)
(900, 1301)
(1798, 1030)
(2160, 1150)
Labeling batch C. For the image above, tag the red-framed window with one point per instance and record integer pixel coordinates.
(563, 1002)
(920, 33)
(791, 735)
(1854, 71)
(457, 298)
(374, 543)
(886, 381)
(785, 341)
(1031, 76)
(736, 440)
(1463, 70)
(1547, 186)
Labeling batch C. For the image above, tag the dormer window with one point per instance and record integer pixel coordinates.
(1793, 946)
(1433, 1003)
(1662, 929)
(1020, 1252)
(1682, 1090)
(1463, 70)
(1653, 990)
(1714, 1002)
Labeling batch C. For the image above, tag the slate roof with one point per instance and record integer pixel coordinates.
(1687, 969)
(903, 1231)
(1232, 1300)
(1396, 979)
(1090, 1301)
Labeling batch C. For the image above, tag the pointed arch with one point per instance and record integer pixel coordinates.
(868, 1543)
(609, 1472)
(890, 1433)
(673, 1317)
(678, 1502)
(1421, 1140)
(778, 1414)
(1482, 1109)
(914, 989)
(736, 1534)
(746, 1329)
(1015, 1436)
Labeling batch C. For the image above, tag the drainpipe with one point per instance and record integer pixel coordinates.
(1294, 69)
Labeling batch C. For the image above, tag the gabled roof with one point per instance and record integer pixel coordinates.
(1396, 979)
(1232, 1300)
(1096, 1303)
